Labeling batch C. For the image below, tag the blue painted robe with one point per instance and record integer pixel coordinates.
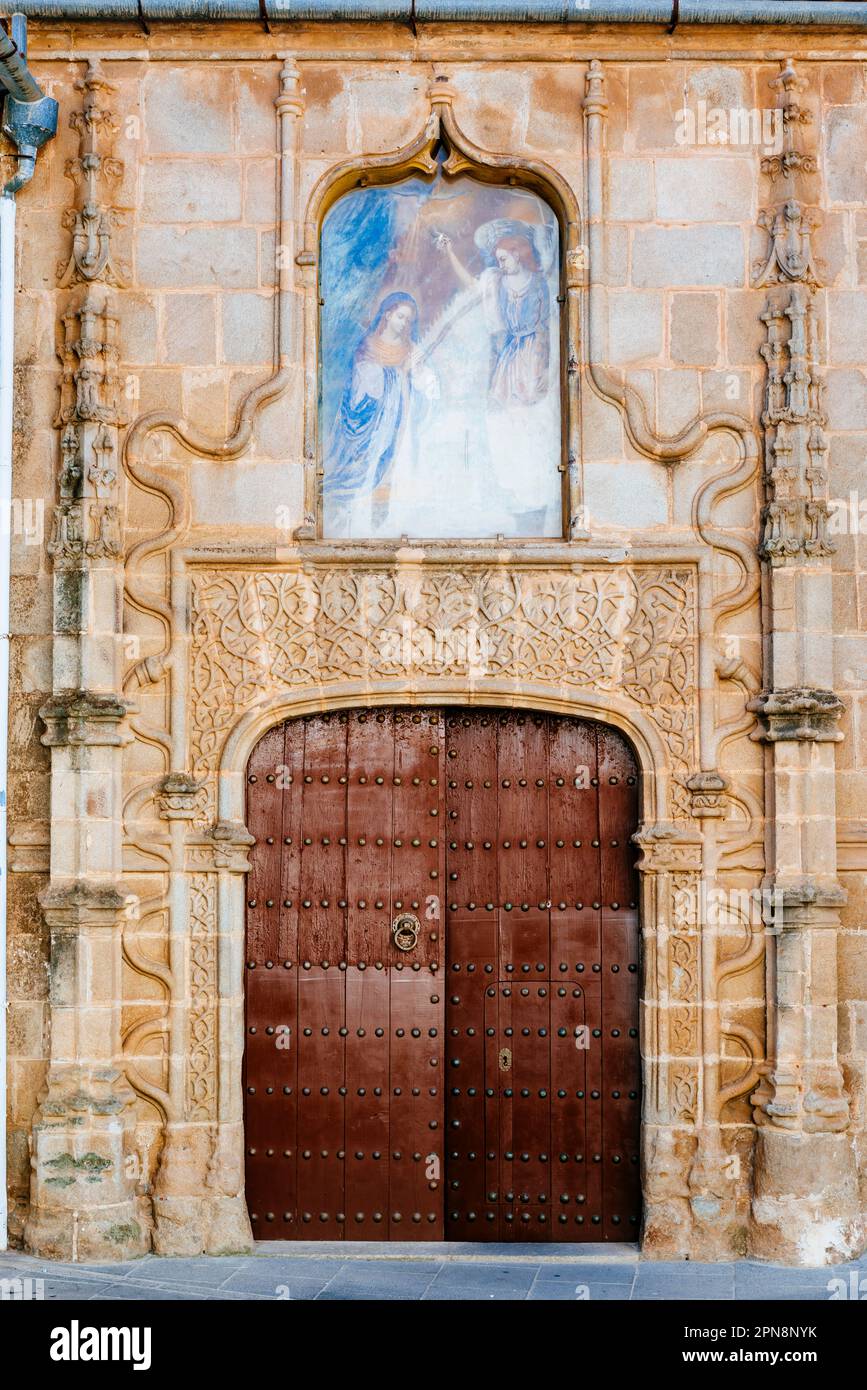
(368, 428)
(519, 374)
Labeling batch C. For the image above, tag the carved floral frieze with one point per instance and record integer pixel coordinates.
(630, 632)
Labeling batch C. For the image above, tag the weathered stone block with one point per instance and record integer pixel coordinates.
(688, 256)
(845, 138)
(224, 256)
(248, 328)
(188, 109)
(635, 326)
(554, 121)
(847, 323)
(630, 190)
(384, 109)
(698, 188)
(694, 329)
(184, 190)
(189, 329)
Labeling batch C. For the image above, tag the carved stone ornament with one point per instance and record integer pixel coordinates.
(802, 715)
(795, 517)
(79, 716)
(87, 521)
(92, 221)
(631, 632)
(179, 796)
(666, 847)
(790, 254)
(707, 792)
(231, 840)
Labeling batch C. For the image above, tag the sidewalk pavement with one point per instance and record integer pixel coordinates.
(417, 1272)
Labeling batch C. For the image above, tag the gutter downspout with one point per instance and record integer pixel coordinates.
(29, 120)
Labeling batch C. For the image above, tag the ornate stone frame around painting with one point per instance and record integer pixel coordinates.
(464, 157)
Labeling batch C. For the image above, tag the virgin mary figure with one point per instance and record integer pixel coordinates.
(373, 435)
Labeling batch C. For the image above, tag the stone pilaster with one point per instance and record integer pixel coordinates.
(805, 1203)
(84, 1203)
(671, 1037)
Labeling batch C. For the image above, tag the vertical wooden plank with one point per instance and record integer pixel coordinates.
(473, 913)
(321, 1160)
(269, 1128)
(470, 1211)
(618, 813)
(522, 766)
(569, 1037)
(270, 1082)
(574, 860)
(321, 919)
(367, 1103)
(370, 792)
(417, 818)
(528, 1094)
(292, 785)
(417, 1111)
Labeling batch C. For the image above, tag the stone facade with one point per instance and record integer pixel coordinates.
(706, 597)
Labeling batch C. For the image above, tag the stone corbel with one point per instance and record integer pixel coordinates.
(800, 715)
(666, 847)
(707, 791)
(803, 898)
(180, 796)
(232, 840)
(82, 717)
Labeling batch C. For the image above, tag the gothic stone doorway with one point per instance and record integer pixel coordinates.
(442, 978)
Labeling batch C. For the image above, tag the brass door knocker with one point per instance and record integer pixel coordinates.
(405, 930)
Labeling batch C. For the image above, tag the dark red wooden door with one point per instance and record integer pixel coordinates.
(397, 1090)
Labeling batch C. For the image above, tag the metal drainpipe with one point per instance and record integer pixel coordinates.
(29, 119)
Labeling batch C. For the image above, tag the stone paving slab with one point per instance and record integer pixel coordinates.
(377, 1273)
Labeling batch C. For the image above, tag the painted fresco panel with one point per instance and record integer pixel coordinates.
(440, 389)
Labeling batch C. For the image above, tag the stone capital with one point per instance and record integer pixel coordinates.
(84, 717)
(707, 794)
(178, 796)
(82, 903)
(665, 847)
(232, 840)
(801, 715)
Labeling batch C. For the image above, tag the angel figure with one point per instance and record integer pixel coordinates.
(522, 413)
(517, 301)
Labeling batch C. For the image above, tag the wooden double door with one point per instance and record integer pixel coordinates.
(442, 979)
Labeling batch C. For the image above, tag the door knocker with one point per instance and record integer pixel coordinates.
(405, 930)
